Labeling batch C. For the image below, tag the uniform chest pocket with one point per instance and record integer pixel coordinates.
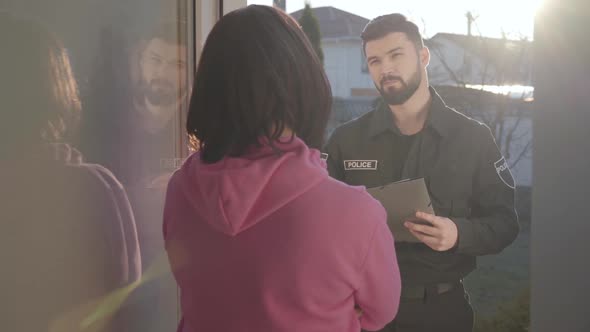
(365, 172)
(459, 208)
(449, 181)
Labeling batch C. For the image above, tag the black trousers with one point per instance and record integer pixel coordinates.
(446, 312)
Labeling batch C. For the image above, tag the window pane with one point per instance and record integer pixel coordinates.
(480, 63)
(103, 259)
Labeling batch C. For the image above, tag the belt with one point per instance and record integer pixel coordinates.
(420, 292)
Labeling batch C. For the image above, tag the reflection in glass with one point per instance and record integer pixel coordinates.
(69, 237)
(138, 99)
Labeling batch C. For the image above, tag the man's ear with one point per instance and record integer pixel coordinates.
(424, 56)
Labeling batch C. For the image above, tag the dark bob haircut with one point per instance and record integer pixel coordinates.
(38, 93)
(258, 75)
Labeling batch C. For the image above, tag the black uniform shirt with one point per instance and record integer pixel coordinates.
(467, 177)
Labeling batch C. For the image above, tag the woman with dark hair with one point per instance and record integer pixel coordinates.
(68, 236)
(259, 237)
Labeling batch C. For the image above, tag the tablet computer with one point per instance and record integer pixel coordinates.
(402, 200)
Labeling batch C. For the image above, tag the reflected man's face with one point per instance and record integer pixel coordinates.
(163, 72)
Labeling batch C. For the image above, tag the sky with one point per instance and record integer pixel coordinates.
(515, 18)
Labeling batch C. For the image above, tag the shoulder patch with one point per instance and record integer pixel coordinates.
(504, 172)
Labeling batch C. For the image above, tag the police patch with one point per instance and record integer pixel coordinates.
(504, 172)
(359, 165)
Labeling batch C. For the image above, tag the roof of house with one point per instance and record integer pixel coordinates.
(336, 23)
(486, 47)
(477, 41)
(511, 57)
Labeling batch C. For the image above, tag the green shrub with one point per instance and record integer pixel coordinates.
(512, 316)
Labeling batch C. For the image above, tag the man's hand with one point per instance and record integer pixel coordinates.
(441, 234)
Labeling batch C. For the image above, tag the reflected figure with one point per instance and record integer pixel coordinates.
(159, 79)
(68, 233)
(161, 87)
(150, 139)
(136, 99)
(259, 237)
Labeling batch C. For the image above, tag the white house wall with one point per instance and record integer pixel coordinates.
(456, 59)
(343, 65)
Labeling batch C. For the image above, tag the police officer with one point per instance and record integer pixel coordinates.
(411, 133)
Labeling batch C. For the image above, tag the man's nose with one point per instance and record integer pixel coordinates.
(388, 69)
(388, 73)
(169, 72)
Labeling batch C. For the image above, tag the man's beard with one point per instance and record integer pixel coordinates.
(398, 96)
(159, 92)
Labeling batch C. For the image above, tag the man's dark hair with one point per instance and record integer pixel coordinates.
(386, 24)
(258, 74)
(172, 32)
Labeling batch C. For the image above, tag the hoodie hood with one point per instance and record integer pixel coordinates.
(237, 193)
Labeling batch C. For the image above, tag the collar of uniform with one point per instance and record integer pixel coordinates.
(437, 118)
(382, 120)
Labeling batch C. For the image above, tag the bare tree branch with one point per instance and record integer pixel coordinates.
(510, 135)
(436, 48)
(497, 67)
(522, 154)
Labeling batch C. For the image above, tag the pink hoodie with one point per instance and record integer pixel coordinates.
(271, 243)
